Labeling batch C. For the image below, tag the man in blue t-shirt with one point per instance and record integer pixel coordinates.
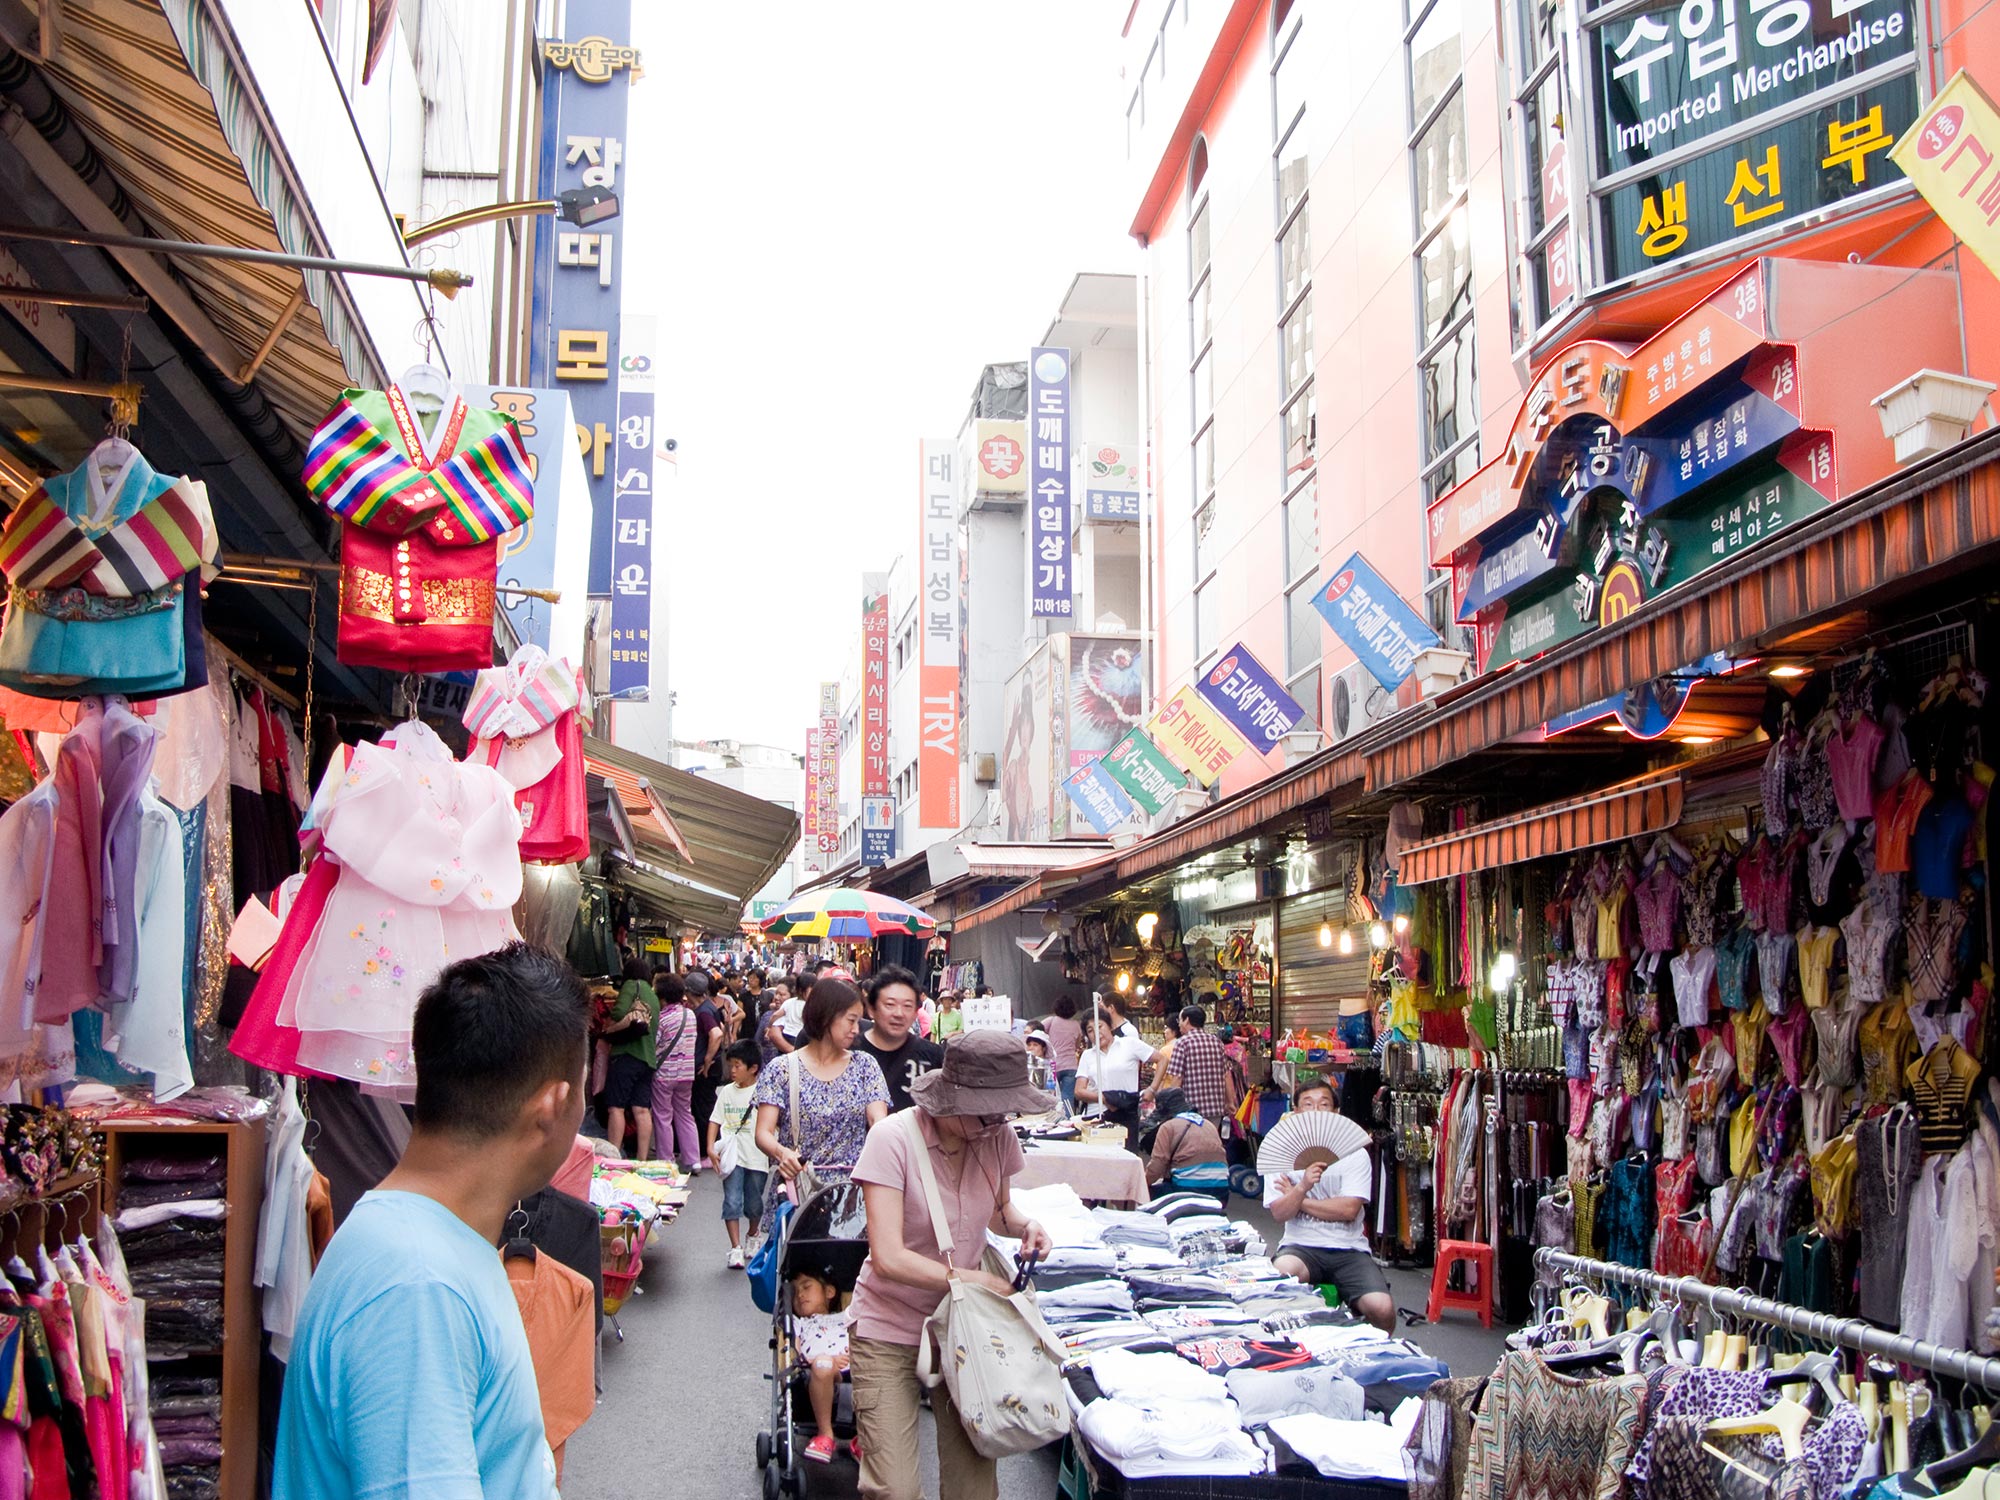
(410, 1374)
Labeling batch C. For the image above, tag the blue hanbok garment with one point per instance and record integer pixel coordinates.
(98, 563)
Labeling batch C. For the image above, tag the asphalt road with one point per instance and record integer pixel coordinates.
(685, 1394)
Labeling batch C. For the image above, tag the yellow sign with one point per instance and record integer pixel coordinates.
(1194, 736)
(1952, 154)
(593, 60)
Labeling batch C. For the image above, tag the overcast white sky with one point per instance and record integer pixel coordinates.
(839, 212)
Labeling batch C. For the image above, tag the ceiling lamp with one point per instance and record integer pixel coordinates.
(1124, 982)
(1326, 934)
(1790, 669)
(1346, 941)
(1145, 925)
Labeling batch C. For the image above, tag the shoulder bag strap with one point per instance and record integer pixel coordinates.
(940, 1224)
(792, 1070)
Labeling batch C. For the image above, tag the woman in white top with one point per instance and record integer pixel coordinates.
(1107, 1076)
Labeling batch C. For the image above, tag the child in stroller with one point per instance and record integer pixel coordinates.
(819, 1342)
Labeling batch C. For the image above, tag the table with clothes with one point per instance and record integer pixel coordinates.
(1104, 1174)
(1197, 1357)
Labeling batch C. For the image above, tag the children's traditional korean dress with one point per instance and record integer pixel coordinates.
(523, 721)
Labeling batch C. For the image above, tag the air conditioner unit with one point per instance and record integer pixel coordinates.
(1356, 701)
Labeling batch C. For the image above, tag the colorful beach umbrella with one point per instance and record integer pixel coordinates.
(842, 913)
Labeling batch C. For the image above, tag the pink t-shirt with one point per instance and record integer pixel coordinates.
(971, 1186)
(1065, 1043)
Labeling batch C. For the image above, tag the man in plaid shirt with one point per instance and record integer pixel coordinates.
(1201, 1068)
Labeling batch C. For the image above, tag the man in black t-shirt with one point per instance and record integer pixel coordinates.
(710, 1038)
(892, 1041)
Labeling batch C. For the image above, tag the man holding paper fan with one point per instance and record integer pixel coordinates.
(1317, 1182)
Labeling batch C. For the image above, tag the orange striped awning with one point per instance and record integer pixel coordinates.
(647, 813)
(1629, 809)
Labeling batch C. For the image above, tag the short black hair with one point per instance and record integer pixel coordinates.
(807, 980)
(1309, 1085)
(668, 988)
(1170, 1102)
(747, 1053)
(1195, 1016)
(490, 1031)
(831, 999)
(887, 975)
(1066, 1007)
(639, 969)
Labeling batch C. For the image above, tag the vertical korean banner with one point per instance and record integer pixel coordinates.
(578, 290)
(1050, 596)
(938, 638)
(813, 860)
(632, 515)
(878, 832)
(829, 772)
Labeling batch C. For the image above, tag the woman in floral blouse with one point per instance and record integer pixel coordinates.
(840, 1093)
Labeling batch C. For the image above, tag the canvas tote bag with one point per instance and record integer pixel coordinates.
(1002, 1363)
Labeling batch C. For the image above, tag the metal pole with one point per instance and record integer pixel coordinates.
(1851, 1333)
(444, 280)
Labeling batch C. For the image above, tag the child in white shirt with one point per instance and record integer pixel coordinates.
(819, 1341)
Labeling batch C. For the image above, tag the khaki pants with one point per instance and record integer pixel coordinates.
(886, 1396)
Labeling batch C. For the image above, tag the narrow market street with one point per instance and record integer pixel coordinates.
(685, 1393)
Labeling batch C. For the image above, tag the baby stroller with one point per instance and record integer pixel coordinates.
(826, 1237)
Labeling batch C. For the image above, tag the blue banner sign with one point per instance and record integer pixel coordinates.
(1250, 698)
(579, 272)
(1050, 596)
(1101, 800)
(1374, 621)
(632, 517)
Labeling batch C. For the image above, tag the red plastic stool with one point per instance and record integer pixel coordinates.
(1462, 1252)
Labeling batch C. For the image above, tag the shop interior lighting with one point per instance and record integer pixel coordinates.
(1346, 941)
(1326, 934)
(1124, 982)
(1146, 924)
(1378, 935)
(1401, 924)
(1501, 975)
(1697, 739)
(1790, 669)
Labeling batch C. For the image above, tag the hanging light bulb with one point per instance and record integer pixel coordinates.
(1326, 934)
(1501, 975)
(1402, 924)
(1124, 982)
(1346, 941)
(1378, 935)
(1145, 925)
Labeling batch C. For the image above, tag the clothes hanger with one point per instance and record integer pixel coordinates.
(1984, 1453)
(1786, 1418)
(425, 382)
(518, 1245)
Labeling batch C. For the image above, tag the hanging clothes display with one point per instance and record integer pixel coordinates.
(524, 722)
(98, 563)
(422, 505)
(424, 861)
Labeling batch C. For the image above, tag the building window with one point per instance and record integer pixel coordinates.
(1448, 404)
(1291, 173)
(1207, 614)
(1201, 390)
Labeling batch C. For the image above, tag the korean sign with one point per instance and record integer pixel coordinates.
(878, 831)
(579, 273)
(937, 637)
(1953, 153)
(1250, 698)
(875, 695)
(1374, 621)
(1050, 596)
(829, 770)
(1111, 483)
(1194, 736)
(1100, 799)
(632, 515)
(1146, 775)
(999, 456)
(1701, 138)
(815, 861)
(530, 555)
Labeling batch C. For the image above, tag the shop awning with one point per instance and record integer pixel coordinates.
(1630, 809)
(676, 901)
(1934, 518)
(699, 830)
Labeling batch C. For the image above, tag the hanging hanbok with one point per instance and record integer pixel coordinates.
(422, 511)
(427, 850)
(524, 723)
(102, 565)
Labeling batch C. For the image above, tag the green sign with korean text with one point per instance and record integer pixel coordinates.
(1629, 562)
(1143, 770)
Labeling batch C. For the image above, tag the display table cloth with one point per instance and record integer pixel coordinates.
(1108, 1174)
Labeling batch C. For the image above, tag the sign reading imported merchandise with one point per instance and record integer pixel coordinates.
(1953, 156)
(1146, 775)
(1195, 737)
(1374, 622)
(579, 276)
(1050, 596)
(1102, 801)
(937, 639)
(632, 516)
(875, 717)
(1249, 697)
(1718, 119)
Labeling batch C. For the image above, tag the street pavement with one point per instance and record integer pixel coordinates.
(685, 1394)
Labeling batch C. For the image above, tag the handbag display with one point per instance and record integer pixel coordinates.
(1004, 1364)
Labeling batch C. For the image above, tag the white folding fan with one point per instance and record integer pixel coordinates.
(1302, 1138)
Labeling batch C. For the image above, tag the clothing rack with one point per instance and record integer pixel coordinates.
(1851, 1333)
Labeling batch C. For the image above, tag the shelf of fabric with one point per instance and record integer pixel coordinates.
(243, 1154)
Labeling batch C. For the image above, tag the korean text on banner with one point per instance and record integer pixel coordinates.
(579, 274)
(1050, 596)
(1250, 698)
(1099, 798)
(1147, 776)
(1374, 621)
(878, 831)
(829, 770)
(1952, 154)
(809, 841)
(541, 554)
(1194, 736)
(938, 643)
(632, 515)
(874, 684)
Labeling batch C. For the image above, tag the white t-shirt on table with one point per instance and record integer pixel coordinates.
(1350, 1177)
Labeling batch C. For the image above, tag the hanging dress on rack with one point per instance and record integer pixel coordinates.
(422, 509)
(98, 564)
(524, 722)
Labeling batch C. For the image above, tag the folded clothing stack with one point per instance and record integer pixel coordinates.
(1350, 1450)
